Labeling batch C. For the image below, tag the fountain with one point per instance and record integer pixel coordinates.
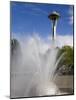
(33, 72)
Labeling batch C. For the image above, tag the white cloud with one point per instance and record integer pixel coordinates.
(45, 43)
(71, 15)
(61, 40)
(64, 40)
(71, 20)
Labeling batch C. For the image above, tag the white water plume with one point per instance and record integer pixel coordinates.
(32, 71)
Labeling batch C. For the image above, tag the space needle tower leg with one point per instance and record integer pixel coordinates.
(54, 32)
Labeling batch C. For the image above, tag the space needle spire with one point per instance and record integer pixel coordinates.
(54, 16)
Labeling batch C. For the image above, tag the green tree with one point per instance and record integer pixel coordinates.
(67, 59)
(15, 47)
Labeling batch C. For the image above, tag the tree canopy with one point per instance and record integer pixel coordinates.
(15, 47)
(67, 59)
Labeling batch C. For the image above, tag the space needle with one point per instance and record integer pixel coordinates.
(54, 16)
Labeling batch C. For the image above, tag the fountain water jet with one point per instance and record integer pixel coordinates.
(34, 75)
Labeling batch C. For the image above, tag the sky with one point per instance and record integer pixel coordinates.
(30, 18)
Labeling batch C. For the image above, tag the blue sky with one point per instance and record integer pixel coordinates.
(29, 18)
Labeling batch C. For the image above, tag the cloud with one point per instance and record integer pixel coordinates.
(61, 40)
(45, 42)
(64, 40)
(71, 15)
(34, 10)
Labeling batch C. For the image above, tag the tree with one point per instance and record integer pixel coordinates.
(14, 46)
(67, 61)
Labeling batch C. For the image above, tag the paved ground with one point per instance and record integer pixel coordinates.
(20, 83)
(65, 83)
